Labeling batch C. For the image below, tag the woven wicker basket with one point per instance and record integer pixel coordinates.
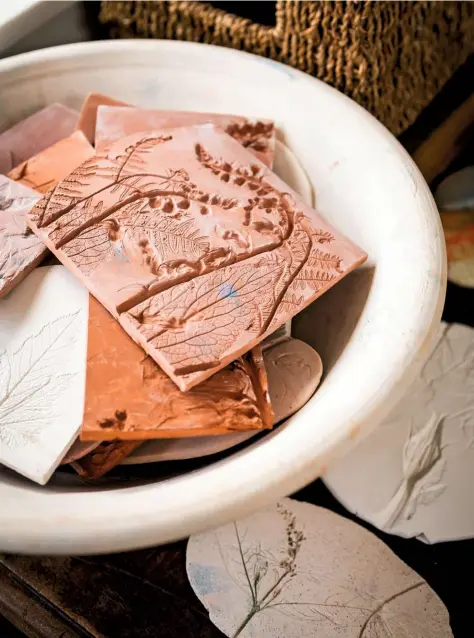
(391, 57)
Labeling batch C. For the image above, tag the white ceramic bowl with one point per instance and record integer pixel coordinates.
(373, 330)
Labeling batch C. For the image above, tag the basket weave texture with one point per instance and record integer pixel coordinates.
(391, 57)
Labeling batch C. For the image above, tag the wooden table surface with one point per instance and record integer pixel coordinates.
(146, 593)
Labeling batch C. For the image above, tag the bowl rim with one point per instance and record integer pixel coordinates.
(145, 515)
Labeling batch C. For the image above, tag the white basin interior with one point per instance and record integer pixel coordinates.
(373, 330)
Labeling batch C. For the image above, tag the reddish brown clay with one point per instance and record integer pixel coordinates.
(45, 170)
(88, 114)
(105, 456)
(114, 123)
(20, 248)
(129, 397)
(31, 136)
(195, 246)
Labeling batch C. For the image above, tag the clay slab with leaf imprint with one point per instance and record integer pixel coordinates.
(115, 123)
(43, 171)
(193, 244)
(129, 397)
(34, 134)
(43, 344)
(20, 248)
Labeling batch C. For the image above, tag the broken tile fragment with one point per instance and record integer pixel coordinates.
(115, 123)
(45, 170)
(196, 247)
(34, 134)
(88, 114)
(103, 458)
(128, 397)
(20, 248)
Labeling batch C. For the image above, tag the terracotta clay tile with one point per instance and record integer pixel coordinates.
(103, 458)
(193, 244)
(45, 170)
(129, 397)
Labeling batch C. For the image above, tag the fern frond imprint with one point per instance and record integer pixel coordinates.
(255, 135)
(158, 218)
(322, 237)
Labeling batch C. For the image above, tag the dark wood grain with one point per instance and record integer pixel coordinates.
(31, 613)
(138, 594)
(444, 145)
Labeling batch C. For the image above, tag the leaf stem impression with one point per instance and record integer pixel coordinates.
(295, 539)
(270, 599)
(255, 180)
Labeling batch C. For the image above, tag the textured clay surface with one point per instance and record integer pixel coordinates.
(103, 458)
(88, 114)
(115, 123)
(45, 170)
(129, 397)
(195, 246)
(20, 248)
(293, 371)
(43, 346)
(31, 136)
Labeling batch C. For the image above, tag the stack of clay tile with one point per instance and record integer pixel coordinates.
(193, 252)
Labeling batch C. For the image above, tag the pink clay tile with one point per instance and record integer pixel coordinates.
(193, 244)
(32, 135)
(20, 249)
(114, 123)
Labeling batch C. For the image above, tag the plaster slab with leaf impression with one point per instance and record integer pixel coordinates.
(43, 343)
(413, 475)
(296, 570)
